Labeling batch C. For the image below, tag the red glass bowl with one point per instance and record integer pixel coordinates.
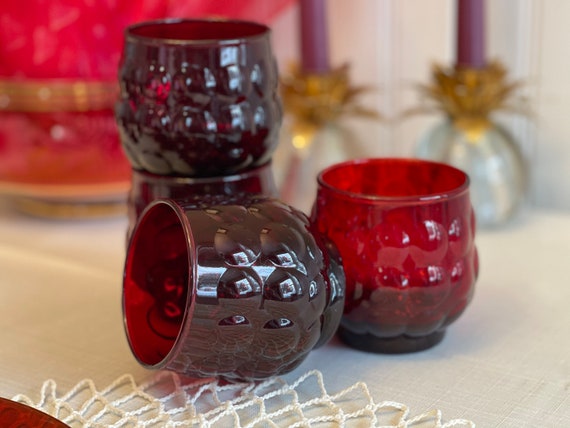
(198, 97)
(60, 153)
(405, 230)
(59, 146)
(237, 287)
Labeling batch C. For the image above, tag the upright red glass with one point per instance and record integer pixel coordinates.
(232, 286)
(147, 187)
(198, 97)
(405, 230)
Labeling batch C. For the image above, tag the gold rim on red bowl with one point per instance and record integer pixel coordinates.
(50, 95)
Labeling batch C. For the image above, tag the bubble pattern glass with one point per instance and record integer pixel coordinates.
(198, 98)
(405, 230)
(237, 287)
(147, 187)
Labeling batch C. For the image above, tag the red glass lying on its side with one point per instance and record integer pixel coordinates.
(405, 230)
(198, 97)
(147, 187)
(237, 287)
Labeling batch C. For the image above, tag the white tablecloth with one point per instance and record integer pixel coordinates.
(504, 363)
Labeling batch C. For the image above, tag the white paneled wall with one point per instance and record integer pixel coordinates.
(391, 45)
(552, 152)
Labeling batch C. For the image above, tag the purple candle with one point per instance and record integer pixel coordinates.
(470, 33)
(314, 37)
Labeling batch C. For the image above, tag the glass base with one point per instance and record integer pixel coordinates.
(393, 345)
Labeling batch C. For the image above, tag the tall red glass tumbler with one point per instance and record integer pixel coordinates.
(405, 230)
(237, 287)
(198, 97)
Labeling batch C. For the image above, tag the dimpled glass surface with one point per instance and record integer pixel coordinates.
(146, 187)
(405, 230)
(246, 293)
(198, 98)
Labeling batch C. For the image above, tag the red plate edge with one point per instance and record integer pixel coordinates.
(14, 414)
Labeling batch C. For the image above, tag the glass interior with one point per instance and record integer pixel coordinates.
(393, 178)
(155, 288)
(188, 30)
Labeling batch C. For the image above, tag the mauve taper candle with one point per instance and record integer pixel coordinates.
(314, 36)
(471, 33)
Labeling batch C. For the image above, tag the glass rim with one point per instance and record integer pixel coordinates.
(131, 36)
(177, 212)
(410, 199)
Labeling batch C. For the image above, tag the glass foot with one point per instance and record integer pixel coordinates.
(394, 345)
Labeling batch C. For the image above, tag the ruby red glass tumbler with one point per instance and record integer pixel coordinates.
(237, 287)
(147, 187)
(198, 97)
(405, 230)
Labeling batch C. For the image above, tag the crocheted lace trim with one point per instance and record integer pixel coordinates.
(170, 400)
